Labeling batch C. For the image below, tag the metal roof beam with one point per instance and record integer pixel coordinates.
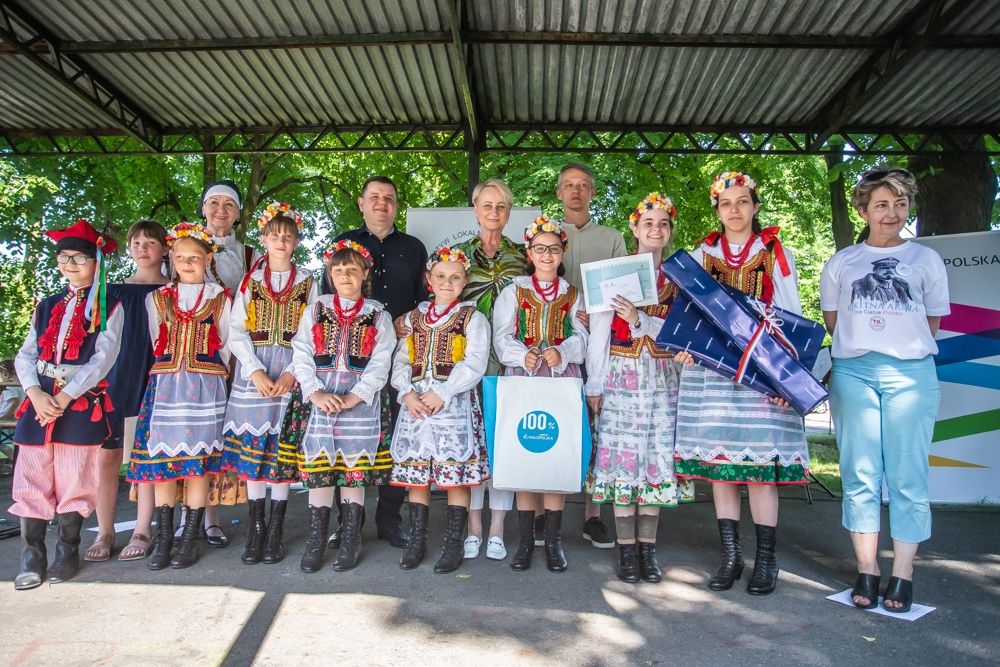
(76, 76)
(916, 33)
(460, 68)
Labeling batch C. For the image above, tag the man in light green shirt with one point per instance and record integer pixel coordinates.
(588, 240)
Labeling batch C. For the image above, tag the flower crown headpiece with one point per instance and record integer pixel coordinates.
(347, 245)
(276, 208)
(654, 200)
(729, 179)
(449, 254)
(543, 224)
(193, 230)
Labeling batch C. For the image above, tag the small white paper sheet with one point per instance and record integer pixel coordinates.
(120, 527)
(916, 611)
(627, 286)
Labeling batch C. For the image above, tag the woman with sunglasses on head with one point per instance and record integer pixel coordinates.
(882, 300)
(536, 332)
(729, 434)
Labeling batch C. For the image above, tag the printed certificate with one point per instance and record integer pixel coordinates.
(632, 277)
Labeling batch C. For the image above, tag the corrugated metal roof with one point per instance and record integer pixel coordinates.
(531, 62)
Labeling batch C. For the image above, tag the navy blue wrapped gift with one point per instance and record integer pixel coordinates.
(761, 347)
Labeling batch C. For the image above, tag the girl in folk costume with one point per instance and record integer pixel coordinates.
(727, 433)
(266, 312)
(147, 245)
(632, 388)
(439, 433)
(63, 421)
(536, 332)
(342, 355)
(179, 433)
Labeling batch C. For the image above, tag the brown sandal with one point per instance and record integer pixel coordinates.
(100, 550)
(137, 547)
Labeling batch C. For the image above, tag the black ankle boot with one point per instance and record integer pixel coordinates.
(319, 524)
(521, 559)
(731, 568)
(554, 556)
(34, 558)
(416, 547)
(163, 542)
(628, 563)
(649, 569)
(454, 534)
(274, 546)
(67, 561)
(256, 531)
(187, 551)
(350, 545)
(765, 563)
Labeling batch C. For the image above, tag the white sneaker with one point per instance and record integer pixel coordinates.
(472, 546)
(495, 550)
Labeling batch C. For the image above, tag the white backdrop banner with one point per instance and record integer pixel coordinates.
(437, 227)
(965, 454)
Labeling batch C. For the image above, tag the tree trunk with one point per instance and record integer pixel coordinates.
(955, 192)
(843, 228)
(208, 161)
(252, 200)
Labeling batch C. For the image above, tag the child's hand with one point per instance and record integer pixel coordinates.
(552, 357)
(625, 309)
(284, 384)
(779, 401)
(325, 401)
(594, 403)
(432, 401)
(348, 401)
(584, 319)
(684, 358)
(47, 410)
(416, 407)
(264, 384)
(399, 324)
(531, 359)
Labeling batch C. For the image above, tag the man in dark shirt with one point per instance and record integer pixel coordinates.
(397, 278)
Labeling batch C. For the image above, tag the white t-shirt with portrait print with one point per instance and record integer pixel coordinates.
(883, 297)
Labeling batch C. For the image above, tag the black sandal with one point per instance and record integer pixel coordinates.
(898, 590)
(866, 586)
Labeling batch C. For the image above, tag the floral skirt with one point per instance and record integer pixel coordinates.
(260, 458)
(320, 472)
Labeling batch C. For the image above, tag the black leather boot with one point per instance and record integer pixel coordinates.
(731, 568)
(554, 556)
(416, 546)
(187, 551)
(274, 546)
(649, 569)
(319, 524)
(256, 531)
(67, 561)
(521, 558)
(628, 563)
(454, 535)
(163, 541)
(765, 563)
(34, 558)
(350, 545)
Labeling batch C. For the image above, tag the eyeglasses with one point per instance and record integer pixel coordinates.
(547, 249)
(873, 176)
(79, 260)
(440, 279)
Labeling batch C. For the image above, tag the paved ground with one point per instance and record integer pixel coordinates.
(222, 611)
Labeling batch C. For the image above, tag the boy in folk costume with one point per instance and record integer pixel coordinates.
(266, 312)
(70, 347)
(439, 433)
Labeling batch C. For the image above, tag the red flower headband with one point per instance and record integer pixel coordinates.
(347, 245)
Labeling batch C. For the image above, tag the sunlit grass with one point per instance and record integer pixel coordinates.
(823, 459)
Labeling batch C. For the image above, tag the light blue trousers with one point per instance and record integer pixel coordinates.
(884, 411)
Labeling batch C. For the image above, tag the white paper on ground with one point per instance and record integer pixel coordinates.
(627, 287)
(120, 527)
(916, 611)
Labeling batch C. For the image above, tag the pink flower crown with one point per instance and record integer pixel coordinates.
(192, 230)
(449, 254)
(277, 208)
(729, 179)
(347, 245)
(542, 224)
(654, 200)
